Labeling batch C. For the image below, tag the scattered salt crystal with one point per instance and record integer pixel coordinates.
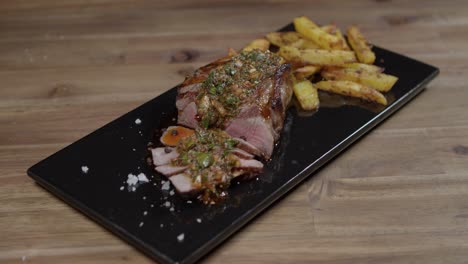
(141, 224)
(189, 201)
(152, 205)
(198, 220)
(84, 169)
(144, 197)
(133, 189)
(122, 188)
(133, 149)
(180, 237)
(132, 179)
(145, 213)
(138, 121)
(167, 204)
(161, 225)
(256, 178)
(171, 192)
(171, 209)
(166, 186)
(142, 177)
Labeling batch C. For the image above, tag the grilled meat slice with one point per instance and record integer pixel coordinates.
(246, 95)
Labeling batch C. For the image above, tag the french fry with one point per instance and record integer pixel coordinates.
(317, 56)
(363, 67)
(379, 81)
(352, 89)
(360, 46)
(310, 30)
(261, 44)
(281, 39)
(292, 39)
(306, 71)
(306, 94)
(344, 44)
(332, 29)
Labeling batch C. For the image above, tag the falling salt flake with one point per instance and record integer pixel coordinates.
(122, 188)
(198, 220)
(180, 237)
(189, 201)
(142, 177)
(23, 258)
(84, 169)
(256, 179)
(166, 186)
(171, 192)
(144, 197)
(145, 213)
(141, 224)
(138, 121)
(167, 204)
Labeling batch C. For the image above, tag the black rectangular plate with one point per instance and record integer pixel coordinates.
(120, 148)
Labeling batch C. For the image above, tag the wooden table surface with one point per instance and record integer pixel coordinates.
(400, 195)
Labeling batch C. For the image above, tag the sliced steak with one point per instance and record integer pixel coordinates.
(162, 156)
(205, 98)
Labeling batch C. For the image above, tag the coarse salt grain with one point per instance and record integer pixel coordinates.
(198, 220)
(189, 202)
(171, 209)
(171, 192)
(84, 169)
(144, 197)
(181, 237)
(122, 188)
(161, 225)
(141, 224)
(166, 186)
(167, 204)
(145, 213)
(132, 179)
(138, 121)
(142, 177)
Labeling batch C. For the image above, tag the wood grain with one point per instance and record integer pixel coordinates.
(399, 195)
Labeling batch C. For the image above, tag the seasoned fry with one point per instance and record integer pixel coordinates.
(352, 89)
(306, 94)
(306, 71)
(363, 67)
(261, 44)
(379, 81)
(332, 29)
(317, 56)
(292, 39)
(281, 39)
(311, 31)
(360, 46)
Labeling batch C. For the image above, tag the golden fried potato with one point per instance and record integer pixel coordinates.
(332, 29)
(310, 30)
(379, 81)
(306, 71)
(306, 94)
(261, 44)
(317, 56)
(281, 39)
(292, 39)
(363, 67)
(352, 89)
(360, 46)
